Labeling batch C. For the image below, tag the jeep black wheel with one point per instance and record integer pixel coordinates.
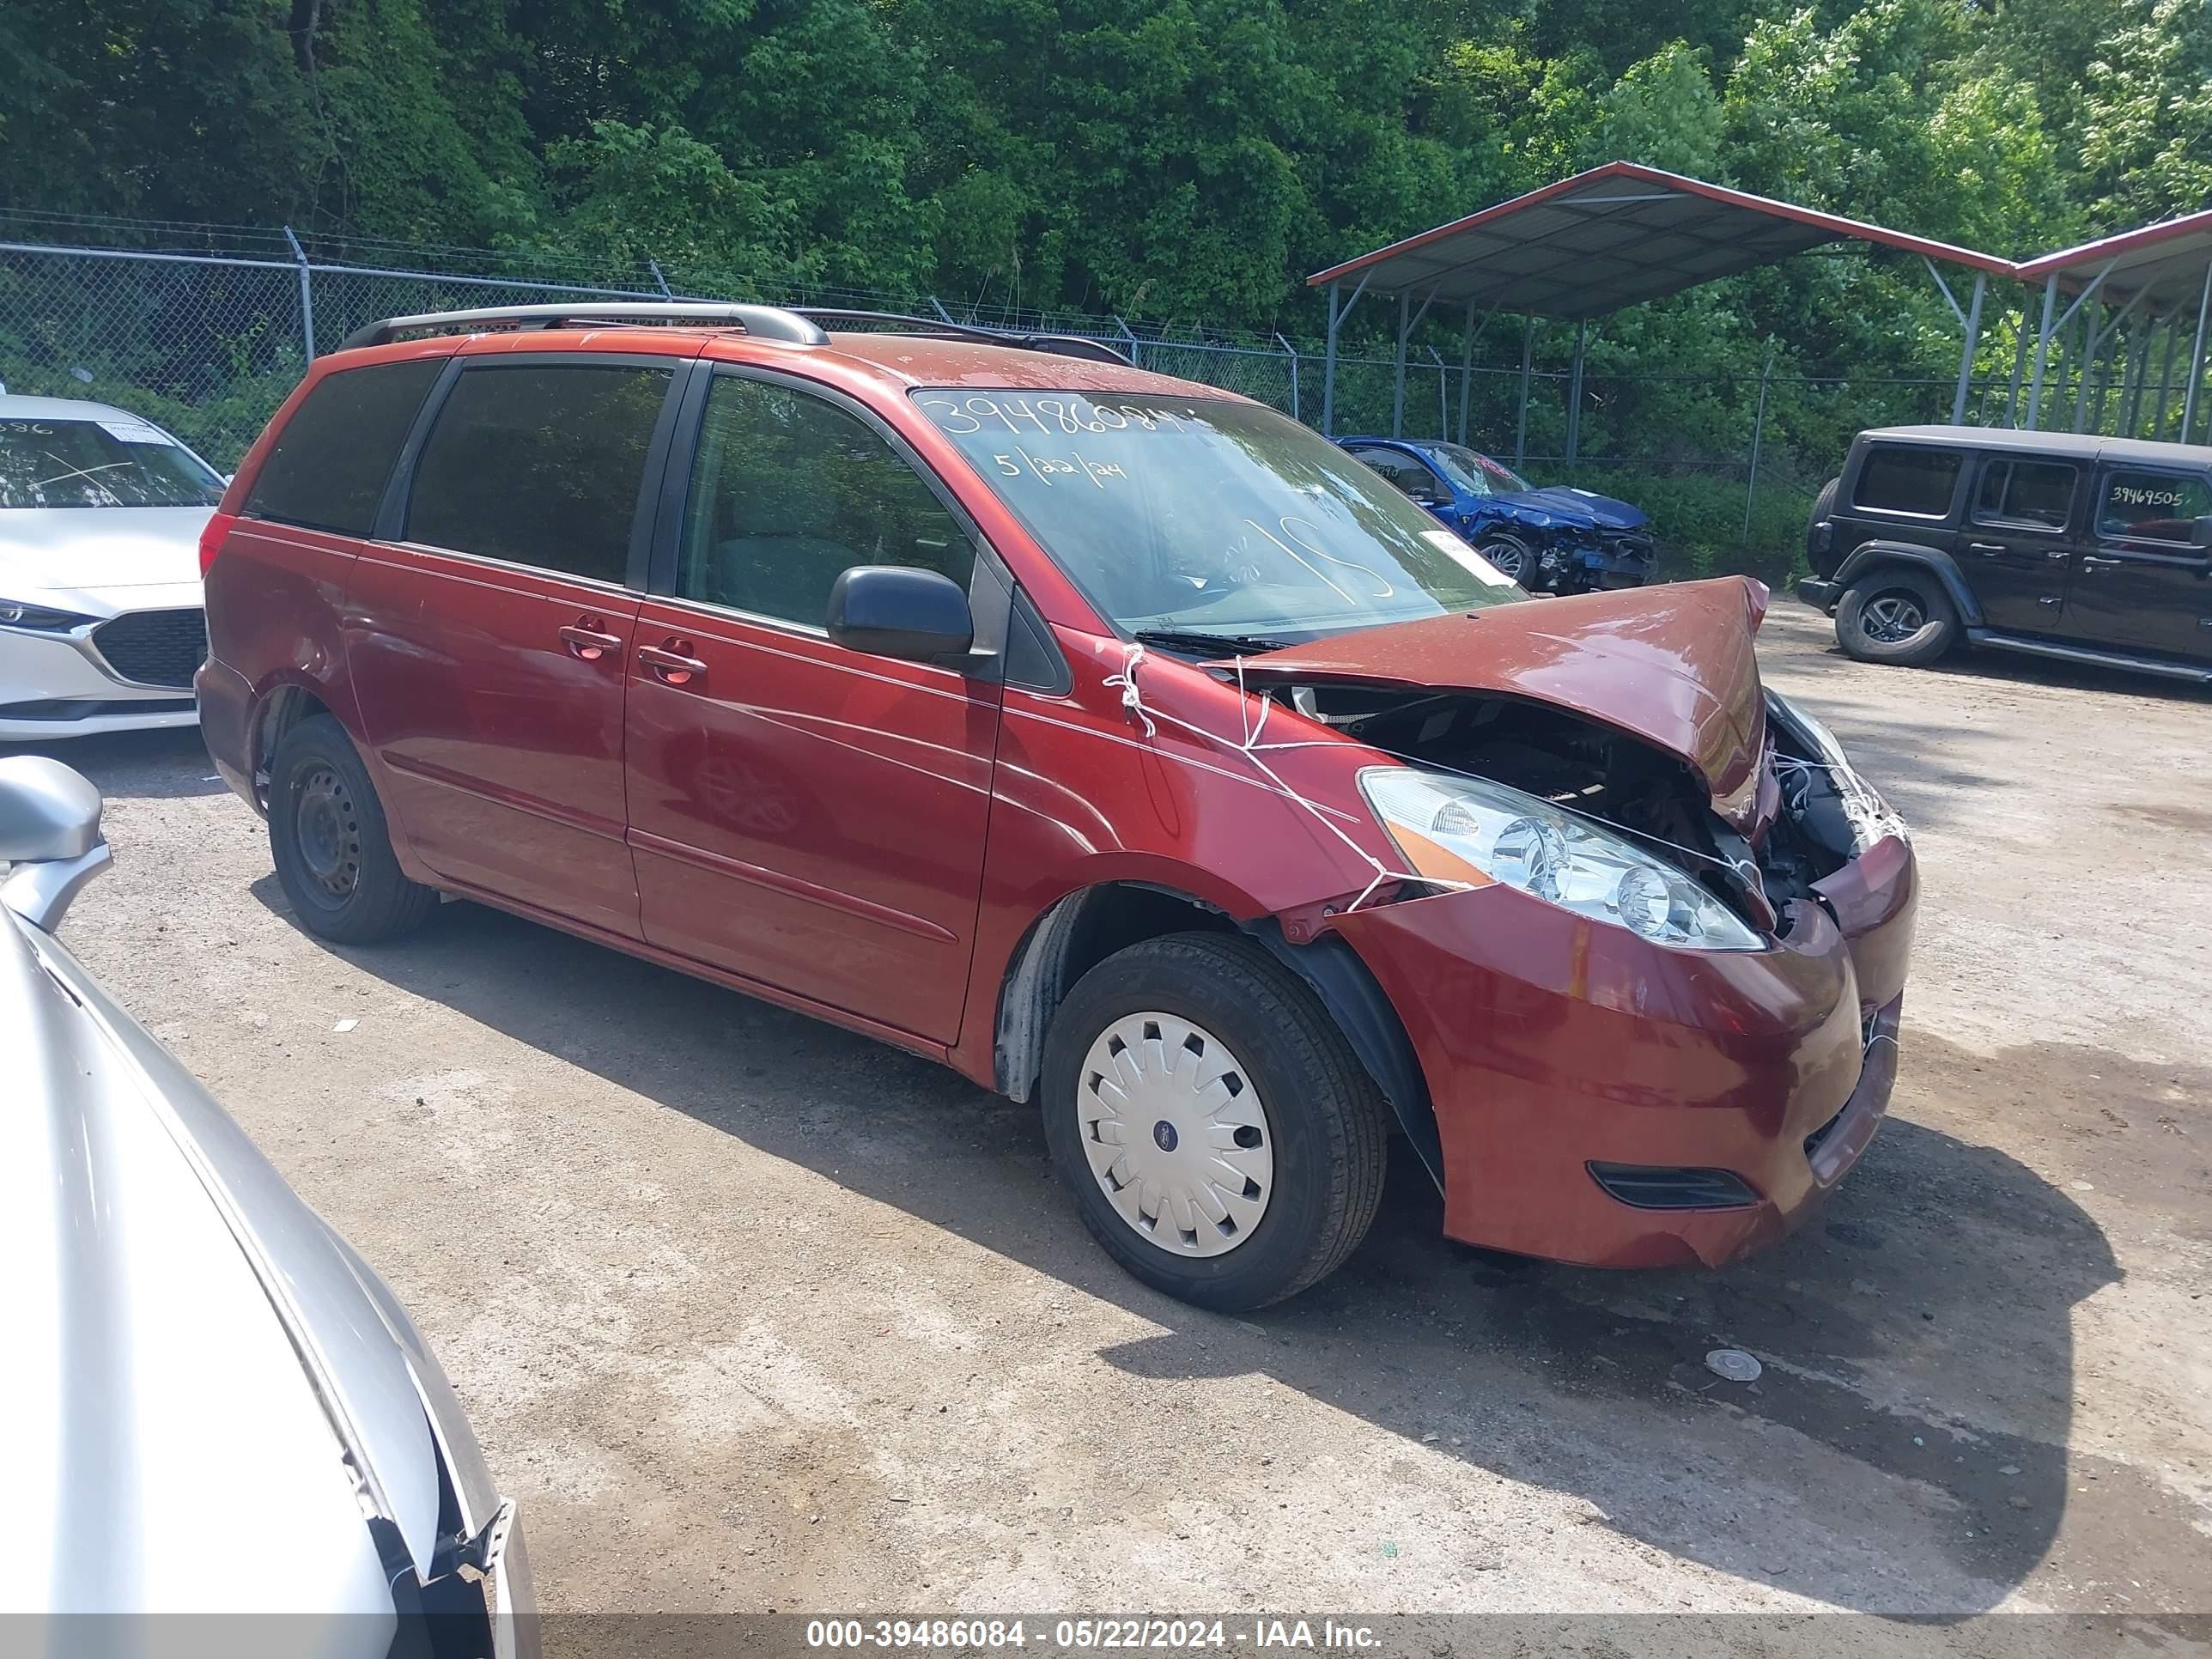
(1896, 616)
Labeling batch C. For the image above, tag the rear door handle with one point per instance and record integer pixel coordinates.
(1990, 547)
(588, 638)
(671, 663)
(2091, 561)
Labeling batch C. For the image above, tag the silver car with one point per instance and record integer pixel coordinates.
(213, 1404)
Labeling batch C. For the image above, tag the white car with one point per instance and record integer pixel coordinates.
(101, 624)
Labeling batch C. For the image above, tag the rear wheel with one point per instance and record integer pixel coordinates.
(328, 838)
(1222, 1141)
(1898, 615)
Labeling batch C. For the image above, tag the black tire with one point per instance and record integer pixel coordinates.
(333, 849)
(1823, 504)
(1328, 1122)
(1896, 615)
(1513, 557)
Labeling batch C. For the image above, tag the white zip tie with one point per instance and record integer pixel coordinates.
(1132, 701)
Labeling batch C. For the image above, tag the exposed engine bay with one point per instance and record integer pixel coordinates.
(1815, 814)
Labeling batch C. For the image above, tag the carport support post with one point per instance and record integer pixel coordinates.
(1575, 395)
(307, 295)
(1466, 367)
(1757, 431)
(2196, 357)
(1967, 356)
(1527, 361)
(2134, 365)
(2018, 368)
(2165, 378)
(2042, 351)
(1398, 386)
(1328, 367)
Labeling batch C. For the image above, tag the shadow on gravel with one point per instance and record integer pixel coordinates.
(1921, 1325)
(166, 765)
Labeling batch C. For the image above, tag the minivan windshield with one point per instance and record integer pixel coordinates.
(117, 461)
(1204, 516)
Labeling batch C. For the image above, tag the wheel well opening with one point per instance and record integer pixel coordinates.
(286, 707)
(1070, 939)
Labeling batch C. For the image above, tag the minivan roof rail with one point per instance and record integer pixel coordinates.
(764, 322)
(1064, 345)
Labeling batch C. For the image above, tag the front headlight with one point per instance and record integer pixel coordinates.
(1474, 832)
(39, 618)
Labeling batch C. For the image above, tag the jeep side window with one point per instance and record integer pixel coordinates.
(1917, 481)
(788, 491)
(2038, 495)
(2154, 507)
(539, 464)
(328, 465)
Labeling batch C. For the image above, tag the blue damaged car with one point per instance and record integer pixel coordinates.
(1559, 540)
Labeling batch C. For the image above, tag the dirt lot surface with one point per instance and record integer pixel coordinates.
(752, 1313)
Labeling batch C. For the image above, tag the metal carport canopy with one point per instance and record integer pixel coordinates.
(2164, 264)
(2163, 271)
(1612, 237)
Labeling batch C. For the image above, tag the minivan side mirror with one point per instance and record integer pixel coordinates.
(896, 610)
(2200, 530)
(49, 837)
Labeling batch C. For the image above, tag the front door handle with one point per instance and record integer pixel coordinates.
(672, 662)
(588, 638)
(2091, 561)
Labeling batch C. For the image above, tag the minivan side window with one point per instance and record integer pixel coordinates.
(788, 491)
(1917, 481)
(328, 464)
(539, 464)
(2154, 507)
(2038, 495)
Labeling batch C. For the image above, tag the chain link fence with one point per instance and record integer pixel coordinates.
(205, 332)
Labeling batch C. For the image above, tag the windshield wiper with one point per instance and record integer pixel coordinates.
(1214, 645)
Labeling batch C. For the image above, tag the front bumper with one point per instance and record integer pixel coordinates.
(1818, 593)
(57, 685)
(1550, 1044)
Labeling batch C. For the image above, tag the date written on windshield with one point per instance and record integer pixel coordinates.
(1046, 468)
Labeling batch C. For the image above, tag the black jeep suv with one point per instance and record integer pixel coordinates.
(2060, 544)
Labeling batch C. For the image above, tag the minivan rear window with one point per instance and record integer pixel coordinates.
(328, 468)
(539, 464)
(1915, 481)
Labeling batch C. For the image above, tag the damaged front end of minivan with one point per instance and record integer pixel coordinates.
(1650, 937)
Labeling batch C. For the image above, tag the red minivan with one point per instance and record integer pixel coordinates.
(1113, 739)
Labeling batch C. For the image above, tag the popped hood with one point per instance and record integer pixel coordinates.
(1672, 666)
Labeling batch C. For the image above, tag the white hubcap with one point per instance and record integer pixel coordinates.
(1176, 1134)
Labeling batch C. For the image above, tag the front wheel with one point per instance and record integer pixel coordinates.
(1514, 559)
(1222, 1141)
(1898, 616)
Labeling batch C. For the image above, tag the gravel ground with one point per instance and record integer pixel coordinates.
(752, 1313)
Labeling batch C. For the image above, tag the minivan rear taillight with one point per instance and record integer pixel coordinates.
(211, 536)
